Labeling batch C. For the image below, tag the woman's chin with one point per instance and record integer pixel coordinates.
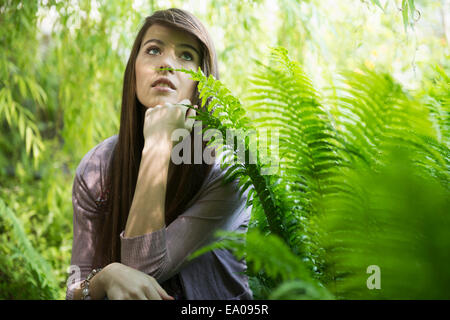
(163, 101)
(159, 102)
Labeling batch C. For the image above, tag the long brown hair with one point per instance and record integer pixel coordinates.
(186, 179)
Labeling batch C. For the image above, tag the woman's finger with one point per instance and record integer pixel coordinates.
(185, 101)
(185, 109)
(189, 123)
(164, 295)
(151, 293)
(150, 110)
(191, 113)
(141, 296)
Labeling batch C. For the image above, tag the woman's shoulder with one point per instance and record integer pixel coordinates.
(93, 167)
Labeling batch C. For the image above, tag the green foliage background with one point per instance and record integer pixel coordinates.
(361, 99)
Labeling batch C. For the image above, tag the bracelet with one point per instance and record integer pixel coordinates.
(85, 284)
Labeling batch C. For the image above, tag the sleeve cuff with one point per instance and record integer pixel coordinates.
(146, 253)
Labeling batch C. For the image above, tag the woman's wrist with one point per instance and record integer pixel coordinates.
(161, 142)
(85, 285)
(98, 284)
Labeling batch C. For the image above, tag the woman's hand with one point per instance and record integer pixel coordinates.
(162, 120)
(124, 283)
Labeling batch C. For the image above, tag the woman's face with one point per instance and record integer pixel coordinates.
(164, 47)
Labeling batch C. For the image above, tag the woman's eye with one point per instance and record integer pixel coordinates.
(152, 50)
(187, 56)
(155, 50)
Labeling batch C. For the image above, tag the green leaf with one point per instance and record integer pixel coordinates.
(28, 139)
(405, 14)
(377, 2)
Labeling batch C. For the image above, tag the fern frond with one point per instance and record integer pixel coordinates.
(283, 97)
(276, 260)
(397, 221)
(23, 270)
(225, 112)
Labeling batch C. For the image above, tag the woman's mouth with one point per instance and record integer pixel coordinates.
(163, 84)
(162, 87)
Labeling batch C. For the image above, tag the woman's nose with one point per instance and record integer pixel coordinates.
(165, 65)
(167, 61)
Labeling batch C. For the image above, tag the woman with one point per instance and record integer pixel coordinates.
(137, 215)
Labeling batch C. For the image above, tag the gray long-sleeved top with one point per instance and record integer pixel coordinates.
(162, 254)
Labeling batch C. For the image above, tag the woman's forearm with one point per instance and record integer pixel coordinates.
(148, 207)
